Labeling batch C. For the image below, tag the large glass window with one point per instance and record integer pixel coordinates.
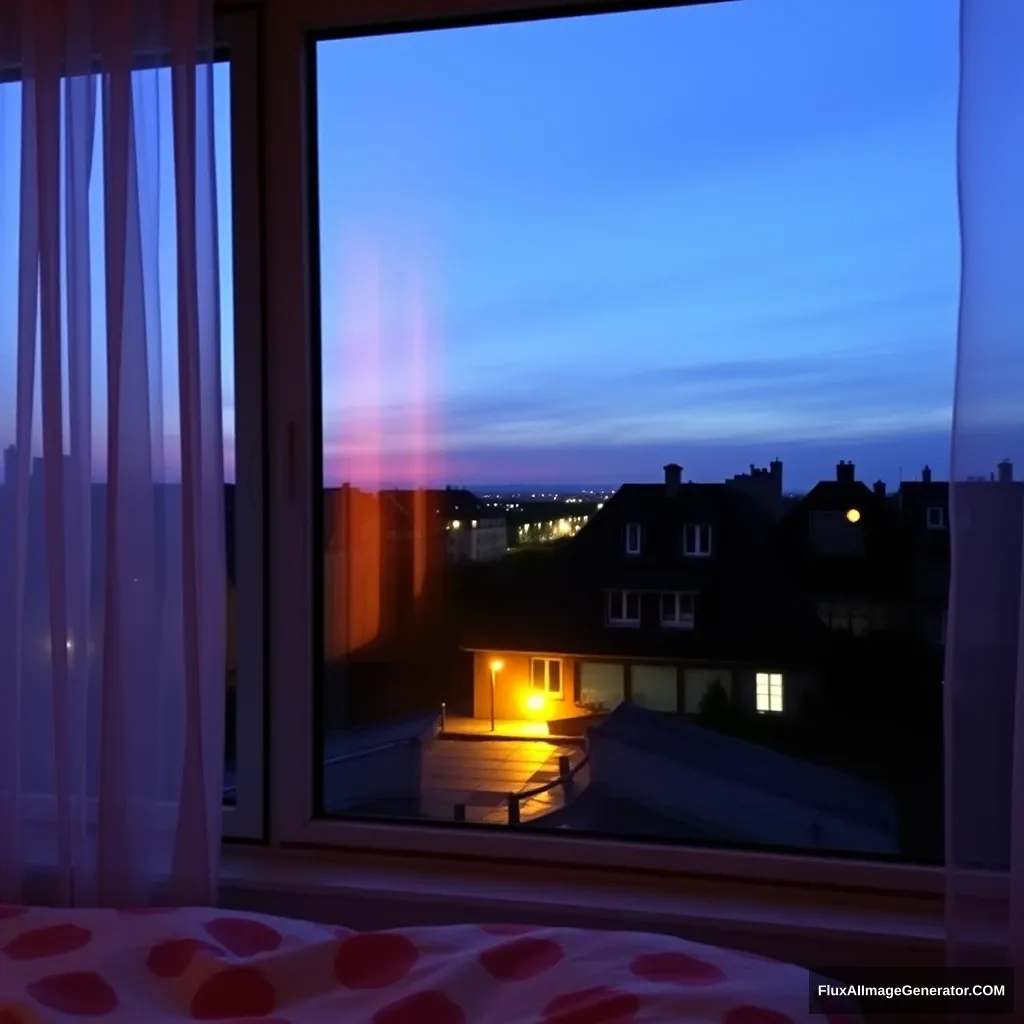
(555, 256)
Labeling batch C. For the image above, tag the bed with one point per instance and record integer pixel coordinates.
(168, 965)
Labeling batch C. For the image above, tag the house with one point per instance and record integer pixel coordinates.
(849, 553)
(924, 510)
(474, 532)
(668, 590)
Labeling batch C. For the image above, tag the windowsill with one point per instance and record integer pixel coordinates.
(801, 924)
(623, 623)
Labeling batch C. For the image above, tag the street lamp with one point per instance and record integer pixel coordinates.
(496, 666)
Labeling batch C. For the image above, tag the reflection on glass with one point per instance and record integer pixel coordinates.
(631, 384)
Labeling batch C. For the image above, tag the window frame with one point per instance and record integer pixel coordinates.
(941, 523)
(679, 621)
(633, 531)
(293, 404)
(769, 693)
(546, 688)
(238, 31)
(623, 597)
(700, 530)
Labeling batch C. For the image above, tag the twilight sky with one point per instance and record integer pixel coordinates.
(571, 251)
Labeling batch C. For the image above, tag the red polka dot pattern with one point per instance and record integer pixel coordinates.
(171, 958)
(56, 940)
(676, 969)
(76, 993)
(374, 960)
(521, 959)
(244, 937)
(232, 993)
(756, 1015)
(420, 1008)
(599, 1005)
(204, 964)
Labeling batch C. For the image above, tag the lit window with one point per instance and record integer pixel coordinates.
(769, 691)
(696, 540)
(623, 608)
(546, 675)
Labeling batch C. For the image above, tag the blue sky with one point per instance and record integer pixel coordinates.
(709, 235)
(571, 251)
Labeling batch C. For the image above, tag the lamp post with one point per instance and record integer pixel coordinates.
(496, 667)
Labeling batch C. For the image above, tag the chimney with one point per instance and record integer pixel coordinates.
(673, 478)
(845, 472)
(926, 475)
(879, 488)
(1006, 472)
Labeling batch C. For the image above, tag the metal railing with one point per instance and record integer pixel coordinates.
(566, 779)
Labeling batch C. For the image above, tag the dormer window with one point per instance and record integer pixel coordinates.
(677, 611)
(697, 540)
(623, 608)
(634, 538)
(937, 517)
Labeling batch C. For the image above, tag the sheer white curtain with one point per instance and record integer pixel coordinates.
(985, 652)
(112, 582)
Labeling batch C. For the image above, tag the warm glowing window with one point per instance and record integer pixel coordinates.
(769, 691)
(546, 675)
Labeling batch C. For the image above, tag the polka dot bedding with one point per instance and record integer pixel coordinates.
(156, 966)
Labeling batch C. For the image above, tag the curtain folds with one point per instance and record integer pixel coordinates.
(984, 685)
(112, 588)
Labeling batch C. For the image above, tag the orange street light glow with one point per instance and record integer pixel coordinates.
(535, 702)
(497, 665)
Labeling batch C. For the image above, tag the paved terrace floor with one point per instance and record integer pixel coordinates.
(480, 773)
(457, 725)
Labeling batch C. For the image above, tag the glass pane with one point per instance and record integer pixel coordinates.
(698, 683)
(538, 669)
(536, 279)
(225, 240)
(554, 676)
(602, 685)
(654, 687)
